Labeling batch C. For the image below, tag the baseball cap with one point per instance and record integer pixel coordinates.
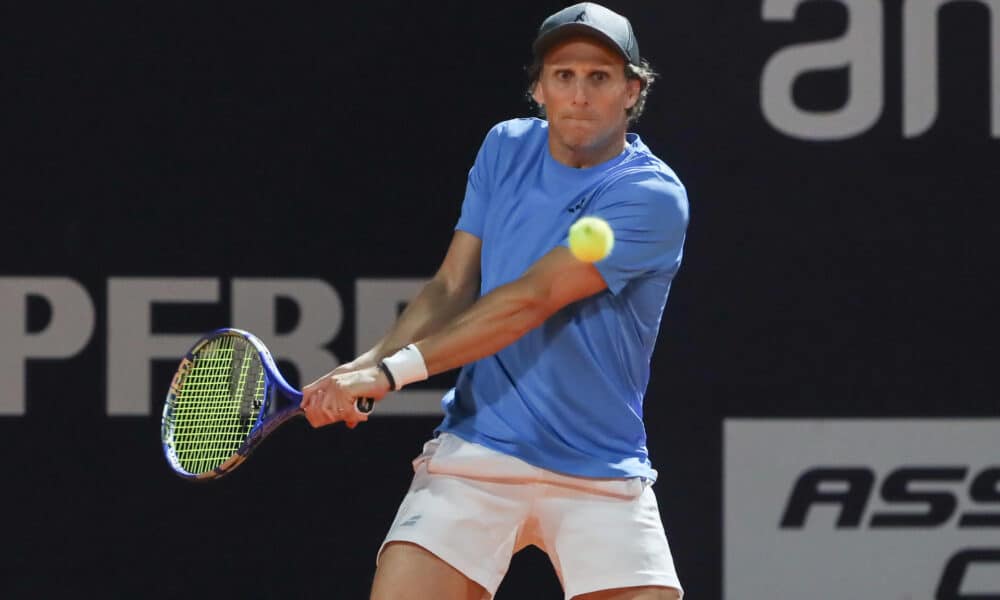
(591, 19)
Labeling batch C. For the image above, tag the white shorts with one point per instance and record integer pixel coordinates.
(474, 508)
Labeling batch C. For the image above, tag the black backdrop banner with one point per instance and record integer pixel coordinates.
(175, 167)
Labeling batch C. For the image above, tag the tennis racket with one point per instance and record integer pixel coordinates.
(226, 397)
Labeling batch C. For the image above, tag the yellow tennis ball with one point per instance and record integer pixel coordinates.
(591, 239)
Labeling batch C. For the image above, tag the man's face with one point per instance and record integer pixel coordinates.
(585, 94)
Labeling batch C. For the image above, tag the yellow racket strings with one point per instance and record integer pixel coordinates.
(217, 403)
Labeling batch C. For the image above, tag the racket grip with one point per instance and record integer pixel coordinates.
(364, 405)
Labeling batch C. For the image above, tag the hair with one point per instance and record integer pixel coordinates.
(643, 72)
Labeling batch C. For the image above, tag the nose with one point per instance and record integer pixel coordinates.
(580, 94)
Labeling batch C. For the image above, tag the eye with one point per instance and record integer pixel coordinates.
(564, 75)
(599, 76)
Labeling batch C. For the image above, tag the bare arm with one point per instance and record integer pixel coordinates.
(490, 324)
(505, 314)
(452, 290)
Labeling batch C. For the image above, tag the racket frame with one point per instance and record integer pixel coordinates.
(269, 416)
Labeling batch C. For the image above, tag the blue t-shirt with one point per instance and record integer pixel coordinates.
(567, 396)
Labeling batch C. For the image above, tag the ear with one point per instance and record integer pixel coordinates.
(632, 89)
(537, 94)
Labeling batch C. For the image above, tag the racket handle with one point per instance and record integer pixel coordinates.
(364, 405)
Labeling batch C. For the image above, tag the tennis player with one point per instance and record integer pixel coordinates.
(543, 440)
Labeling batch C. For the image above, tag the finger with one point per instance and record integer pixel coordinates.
(310, 389)
(314, 412)
(314, 398)
(330, 411)
(354, 416)
(312, 417)
(316, 417)
(330, 416)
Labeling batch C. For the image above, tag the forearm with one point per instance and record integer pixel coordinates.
(435, 305)
(492, 323)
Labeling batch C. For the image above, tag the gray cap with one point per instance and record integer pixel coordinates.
(590, 19)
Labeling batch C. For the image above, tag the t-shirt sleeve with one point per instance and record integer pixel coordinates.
(477, 188)
(649, 218)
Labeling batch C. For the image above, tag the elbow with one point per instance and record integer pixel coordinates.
(527, 319)
(464, 291)
(533, 308)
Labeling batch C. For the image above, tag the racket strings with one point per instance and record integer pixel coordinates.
(217, 403)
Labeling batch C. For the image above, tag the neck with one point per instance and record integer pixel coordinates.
(583, 157)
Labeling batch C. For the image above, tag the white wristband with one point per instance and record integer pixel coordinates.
(406, 366)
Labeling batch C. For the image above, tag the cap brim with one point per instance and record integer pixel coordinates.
(563, 32)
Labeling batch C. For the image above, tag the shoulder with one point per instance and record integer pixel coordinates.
(513, 131)
(508, 141)
(643, 163)
(644, 179)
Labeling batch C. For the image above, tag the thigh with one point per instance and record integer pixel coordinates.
(603, 543)
(636, 593)
(467, 524)
(409, 572)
